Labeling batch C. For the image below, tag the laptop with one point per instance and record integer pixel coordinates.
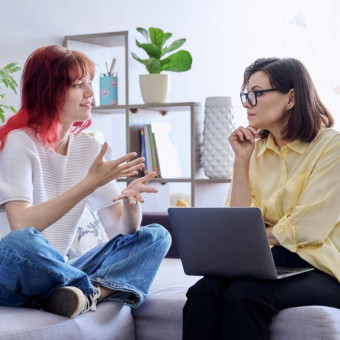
(225, 242)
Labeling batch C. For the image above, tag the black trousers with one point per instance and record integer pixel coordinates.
(242, 309)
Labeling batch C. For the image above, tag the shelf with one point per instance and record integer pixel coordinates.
(212, 180)
(183, 180)
(190, 124)
(161, 106)
(158, 180)
(109, 39)
(134, 108)
(109, 109)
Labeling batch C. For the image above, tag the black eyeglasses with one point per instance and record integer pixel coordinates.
(251, 96)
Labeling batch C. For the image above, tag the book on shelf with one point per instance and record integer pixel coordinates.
(143, 151)
(148, 156)
(161, 151)
(153, 150)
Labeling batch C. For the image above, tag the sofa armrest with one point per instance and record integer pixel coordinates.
(162, 218)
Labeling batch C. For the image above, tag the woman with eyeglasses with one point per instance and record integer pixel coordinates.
(50, 169)
(287, 163)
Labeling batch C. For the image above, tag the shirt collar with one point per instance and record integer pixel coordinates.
(296, 146)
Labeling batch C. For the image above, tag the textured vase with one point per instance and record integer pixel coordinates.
(217, 154)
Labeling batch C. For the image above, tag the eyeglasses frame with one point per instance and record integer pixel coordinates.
(256, 93)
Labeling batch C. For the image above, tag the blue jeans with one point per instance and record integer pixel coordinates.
(30, 269)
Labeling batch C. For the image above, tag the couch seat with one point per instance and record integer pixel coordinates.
(111, 320)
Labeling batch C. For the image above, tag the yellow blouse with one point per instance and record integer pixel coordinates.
(297, 189)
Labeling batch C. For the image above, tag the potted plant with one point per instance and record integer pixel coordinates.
(7, 80)
(154, 85)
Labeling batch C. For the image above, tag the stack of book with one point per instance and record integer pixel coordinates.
(158, 147)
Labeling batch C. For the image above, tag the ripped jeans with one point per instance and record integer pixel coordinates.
(30, 269)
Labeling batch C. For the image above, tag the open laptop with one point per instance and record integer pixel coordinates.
(226, 242)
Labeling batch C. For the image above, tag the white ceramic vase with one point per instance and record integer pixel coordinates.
(217, 154)
(154, 87)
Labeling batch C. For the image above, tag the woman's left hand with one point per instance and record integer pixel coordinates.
(134, 190)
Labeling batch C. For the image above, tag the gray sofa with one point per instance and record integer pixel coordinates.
(159, 317)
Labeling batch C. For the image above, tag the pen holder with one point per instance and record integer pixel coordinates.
(108, 90)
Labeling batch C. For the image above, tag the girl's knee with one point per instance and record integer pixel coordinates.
(25, 242)
(157, 234)
(18, 238)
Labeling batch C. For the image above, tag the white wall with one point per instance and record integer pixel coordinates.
(223, 37)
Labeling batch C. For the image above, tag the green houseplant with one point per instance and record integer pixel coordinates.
(7, 80)
(154, 85)
(179, 61)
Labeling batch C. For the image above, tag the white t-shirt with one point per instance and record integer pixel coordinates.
(33, 172)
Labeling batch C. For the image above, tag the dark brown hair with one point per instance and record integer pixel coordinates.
(309, 114)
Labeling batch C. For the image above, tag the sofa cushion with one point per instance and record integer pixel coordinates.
(309, 322)
(111, 320)
(160, 316)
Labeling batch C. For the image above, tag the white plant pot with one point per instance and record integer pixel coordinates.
(154, 87)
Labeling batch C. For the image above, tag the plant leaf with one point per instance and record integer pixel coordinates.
(178, 62)
(166, 37)
(2, 116)
(174, 46)
(6, 78)
(152, 50)
(12, 67)
(12, 109)
(144, 32)
(152, 65)
(156, 36)
(135, 56)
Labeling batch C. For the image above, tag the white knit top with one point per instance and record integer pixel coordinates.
(33, 172)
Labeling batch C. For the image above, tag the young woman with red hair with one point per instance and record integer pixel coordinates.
(49, 170)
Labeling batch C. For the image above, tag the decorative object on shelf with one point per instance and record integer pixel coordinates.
(154, 86)
(108, 89)
(8, 81)
(217, 154)
(180, 199)
(109, 85)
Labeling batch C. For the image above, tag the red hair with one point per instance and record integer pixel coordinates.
(48, 73)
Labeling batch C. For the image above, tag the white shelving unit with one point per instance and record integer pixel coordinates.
(188, 115)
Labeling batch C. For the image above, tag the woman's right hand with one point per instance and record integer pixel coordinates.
(102, 172)
(242, 141)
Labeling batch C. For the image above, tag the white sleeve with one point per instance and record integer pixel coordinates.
(103, 196)
(16, 164)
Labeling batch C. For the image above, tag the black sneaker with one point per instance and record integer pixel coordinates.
(70, 301)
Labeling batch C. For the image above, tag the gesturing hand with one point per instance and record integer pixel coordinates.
(134, 190)
(242, 141)
(102, 172)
